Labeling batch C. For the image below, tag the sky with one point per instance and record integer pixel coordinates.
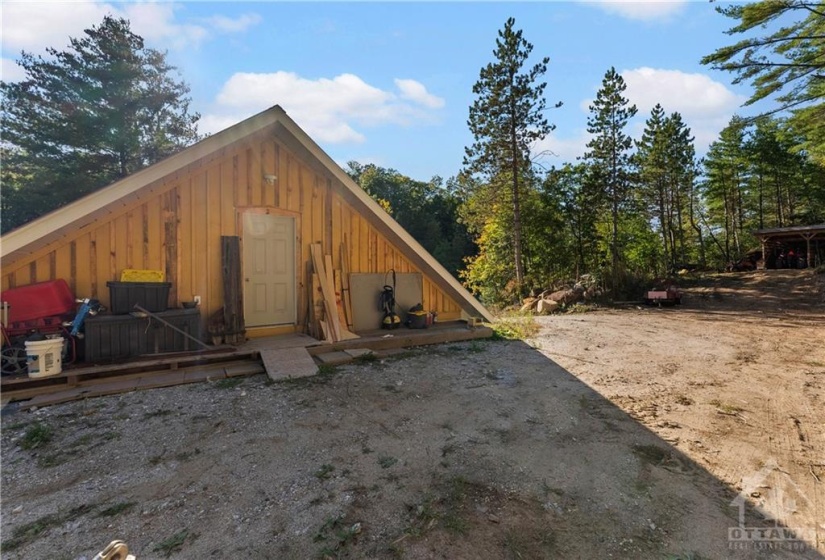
(390, 83)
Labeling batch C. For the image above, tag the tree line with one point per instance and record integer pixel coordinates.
(626, 211)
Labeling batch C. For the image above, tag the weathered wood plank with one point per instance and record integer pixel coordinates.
(233, 290)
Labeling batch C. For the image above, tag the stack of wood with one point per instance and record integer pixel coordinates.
(330, 309)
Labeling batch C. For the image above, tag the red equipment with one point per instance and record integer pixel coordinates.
(43, 307)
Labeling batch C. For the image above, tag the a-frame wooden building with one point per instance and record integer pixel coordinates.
(263, 181)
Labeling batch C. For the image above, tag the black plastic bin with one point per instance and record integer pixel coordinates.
(152, 296)
(111, 337)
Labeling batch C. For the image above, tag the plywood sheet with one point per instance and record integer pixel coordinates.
(366, 288)
(288, 363)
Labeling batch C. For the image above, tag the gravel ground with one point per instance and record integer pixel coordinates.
(612, 434)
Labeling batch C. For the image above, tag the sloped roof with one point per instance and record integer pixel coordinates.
(791, 231)
(65, 221)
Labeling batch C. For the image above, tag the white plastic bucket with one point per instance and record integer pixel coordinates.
(44, 357)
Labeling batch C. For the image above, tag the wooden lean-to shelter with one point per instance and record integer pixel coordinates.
(233, 220)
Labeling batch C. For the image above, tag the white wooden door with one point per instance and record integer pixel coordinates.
(268, 270)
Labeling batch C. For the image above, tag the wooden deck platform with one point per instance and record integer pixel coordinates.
(78, 381)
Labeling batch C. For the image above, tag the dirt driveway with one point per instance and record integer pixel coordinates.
(629, 433)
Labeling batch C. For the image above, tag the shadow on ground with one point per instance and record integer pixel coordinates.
(473, 450)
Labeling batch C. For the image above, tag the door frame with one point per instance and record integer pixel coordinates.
(299, 285)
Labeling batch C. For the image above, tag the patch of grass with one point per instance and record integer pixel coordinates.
(366, 358)
(515, 327)
(338, 533)
(51, 460)
(327, 369)
(85, 439)
(155, 460)
(324, 472)
(228, 383)
(30, 532)
(37, 435)
(452, 519)
(172, 544)
(116, 509)
(652, 454)
(386, 461)
(475, 347)
(167, 412)
(424, 517)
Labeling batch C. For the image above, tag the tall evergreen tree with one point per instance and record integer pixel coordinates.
(726, 169)
(506, 119)
(652, 167)
(85, 117)
(608, 155)
(785, 62)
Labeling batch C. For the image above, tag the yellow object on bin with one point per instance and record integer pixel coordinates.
(136, 275)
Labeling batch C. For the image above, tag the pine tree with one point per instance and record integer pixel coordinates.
(785, 64)
(85, 117)
(506, 119)
(725, 178)
(608, 155)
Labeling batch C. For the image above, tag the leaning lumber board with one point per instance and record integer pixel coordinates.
(333, 307)
(326, 288)
(339, 297)
(345, 284)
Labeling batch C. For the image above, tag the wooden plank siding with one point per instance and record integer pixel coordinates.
(175, 224)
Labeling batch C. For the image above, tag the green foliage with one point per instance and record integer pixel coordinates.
(117, 509)
(37, 435)
(782, 62)
(514, 327)
(754, 180)
(86, 117)
(427, 210)
(324, 472)
(385, 461)
(506, 118)
(173, 543)
(33, 530)
(666, 170)
(608, 156)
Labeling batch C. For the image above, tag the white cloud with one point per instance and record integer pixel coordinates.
(416, 92)
(559, 150)
(706, 106)
(643, 10)
(157, 23)
(328, 109)
(228, 25)
(33, 26)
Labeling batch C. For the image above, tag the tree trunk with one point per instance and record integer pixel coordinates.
(516, 212)
(695, 225)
